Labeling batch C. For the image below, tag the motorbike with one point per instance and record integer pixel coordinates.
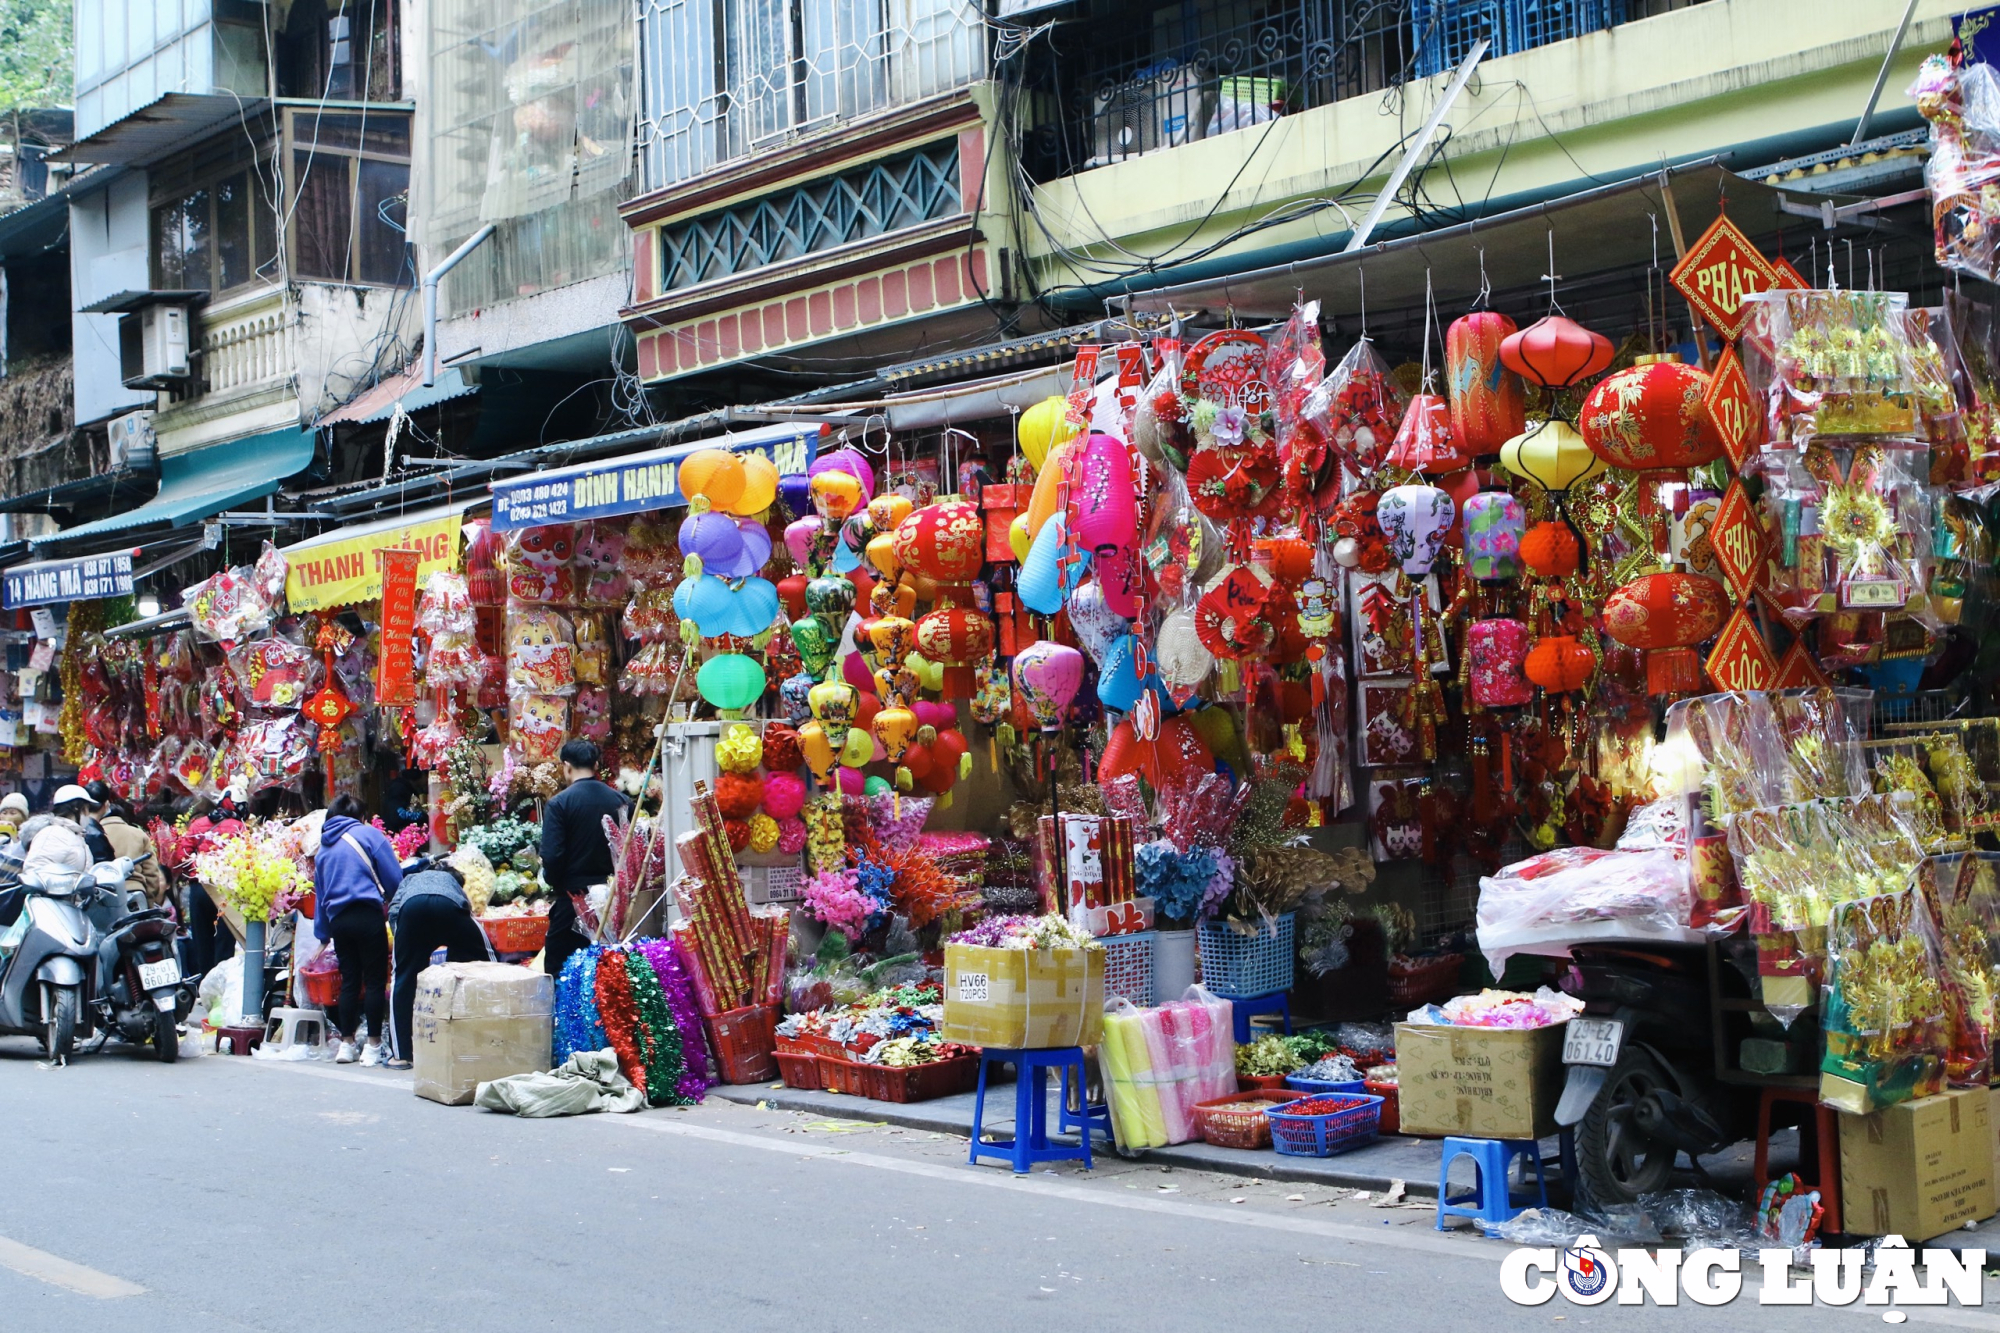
(139, 992)
(51, 948)
(1643, 1082)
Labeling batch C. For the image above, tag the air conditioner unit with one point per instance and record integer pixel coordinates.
(153, 346)
(1166, 105)
(132, 442)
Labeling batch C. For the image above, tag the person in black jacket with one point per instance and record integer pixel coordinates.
(429, 912)
(575, 853)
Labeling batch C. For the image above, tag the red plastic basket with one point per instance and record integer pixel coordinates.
(799, 1070)
(906, 1083)
(1226, 1127)
(1419, 981)
(1391, 1116)
(744, 1042)
(322, 988)
(516, 934)
(1264, 1083)
(1323, 1126)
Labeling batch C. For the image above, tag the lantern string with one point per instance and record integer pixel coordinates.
(1361, 270)
(1552, 277)
(1485, 284)
(1430, 330)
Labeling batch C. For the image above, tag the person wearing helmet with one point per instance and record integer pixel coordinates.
(13, 814)
(125, 838)
(57, 849)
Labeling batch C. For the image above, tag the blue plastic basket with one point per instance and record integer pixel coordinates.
(1323, 1126)
(1317, 1086)
(1128, 967)
(1245, 967)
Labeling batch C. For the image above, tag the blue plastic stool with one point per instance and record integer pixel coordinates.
(1490, 1202)
(1030, 1143)
(1094, 1117)
(1277, 1002)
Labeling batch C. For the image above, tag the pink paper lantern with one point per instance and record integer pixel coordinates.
(1103, 509)
(799, 536)
(1416, 520)
(1047, 676)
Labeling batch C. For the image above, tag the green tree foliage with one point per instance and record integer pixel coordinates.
(35, 50)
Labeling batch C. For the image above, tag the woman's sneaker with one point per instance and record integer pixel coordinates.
(345, 1055)
(371, 1054)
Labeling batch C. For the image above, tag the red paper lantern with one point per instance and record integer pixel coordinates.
(1551, 551)
(1488, 405)
(1666, 615)
(956, 638)
(1425, 442)
(945, 542)
(792, 592)
(1559, 663)
(1651, 416)
(1556, 352)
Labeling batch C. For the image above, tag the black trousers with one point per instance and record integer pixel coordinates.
(564, 937)
(424, 925)
(361, 939)
(210, 940)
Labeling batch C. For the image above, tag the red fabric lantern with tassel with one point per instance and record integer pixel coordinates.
(1666, 615)
(1488, 404)
(945, 542)
(1651, 417)
(956, 638)
(1556, 352)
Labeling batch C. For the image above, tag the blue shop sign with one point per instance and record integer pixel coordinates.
(637, 483)
(47, 581)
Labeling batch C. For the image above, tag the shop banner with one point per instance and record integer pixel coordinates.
(631, 485)
(322, 575)
(396, 676)
(48, 581)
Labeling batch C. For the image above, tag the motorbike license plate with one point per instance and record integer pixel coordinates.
(1593, 1041)
(152, 976)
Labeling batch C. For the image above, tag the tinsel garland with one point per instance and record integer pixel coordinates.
(621, 1016)
(659, 1035)
(679, 991)
(578, 1026)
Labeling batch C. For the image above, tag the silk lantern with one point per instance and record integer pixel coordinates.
(1551, 455)
(831, 601)
(895, 727)
(712, 479)
(1095, 623)
(851, 461)
(1494, 522)
(1425, 442)
(891, 638)
(1560, 663)
(792, 593)
(1652, 416)
(887, 512)
(1047, 676)
(835, 494)
(1042, 427)
(1488, 404)
(814, 642)
(796, 694)
(1103, 508)
(1416, 520)
(833, 704)
(800, 534)
(945, 542)
(1556, 352)
(956, 638)
(730, 681)
(820, 755)
(1666, 615)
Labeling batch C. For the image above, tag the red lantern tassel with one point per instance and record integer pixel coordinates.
(1673, 671)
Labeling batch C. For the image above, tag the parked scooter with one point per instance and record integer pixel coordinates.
(51, 952)
(1642, 1081)
(138, 992)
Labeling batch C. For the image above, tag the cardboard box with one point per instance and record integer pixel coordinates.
(1484, 1083)
(1023, 998)
(1919, 1168)
(476, 1022)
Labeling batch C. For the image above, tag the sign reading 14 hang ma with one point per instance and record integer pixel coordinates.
(51, 581)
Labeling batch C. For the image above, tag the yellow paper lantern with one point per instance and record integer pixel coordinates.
(760, 486)
(1047, 497)
(714, 475)
(1550, 455)
(1018, 539)
(1044, 426)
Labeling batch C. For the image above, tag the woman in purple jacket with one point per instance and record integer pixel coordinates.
(355, 875)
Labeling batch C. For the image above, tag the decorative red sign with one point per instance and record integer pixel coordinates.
(1789, 278)
(1799, 670)
(1732, 408)
(1738, 539)
(1718, 271)
(396, 673)
(1741, 659)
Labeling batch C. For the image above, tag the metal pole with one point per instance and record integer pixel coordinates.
(1417, 149)
(472, 243)
(253, 971)
(1882, 75)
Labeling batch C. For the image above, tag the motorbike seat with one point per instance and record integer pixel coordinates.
(132, 918)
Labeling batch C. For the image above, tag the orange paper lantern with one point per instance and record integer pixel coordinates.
(1559, 663)
(1556, 352)
(1551, 551)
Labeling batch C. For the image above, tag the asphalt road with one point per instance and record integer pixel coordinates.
(225, 1194)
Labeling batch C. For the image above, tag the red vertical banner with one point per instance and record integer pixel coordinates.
(396, 673)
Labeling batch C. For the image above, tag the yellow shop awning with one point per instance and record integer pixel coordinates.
(343, 567)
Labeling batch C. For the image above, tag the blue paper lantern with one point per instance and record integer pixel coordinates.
(1041, 584)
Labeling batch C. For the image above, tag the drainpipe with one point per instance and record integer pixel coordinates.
(472, 243)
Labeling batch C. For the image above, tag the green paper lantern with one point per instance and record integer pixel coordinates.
(731, 681)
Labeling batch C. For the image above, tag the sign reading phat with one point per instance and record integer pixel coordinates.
(341, 573)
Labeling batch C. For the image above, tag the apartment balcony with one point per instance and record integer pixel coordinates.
(245, 373)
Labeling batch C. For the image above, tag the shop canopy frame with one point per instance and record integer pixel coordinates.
(1603, 236)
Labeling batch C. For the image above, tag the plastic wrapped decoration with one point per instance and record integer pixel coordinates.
(1233, 472)
(1183, 550)
(1885, 1015)
(1161, 429)
(1962, 105)
(273, 752)
(273, 673)
(537, 725)
(652, 555)
(541, 652)
(228, 607)
(447, 615)
(538, 564)
(600, 564)
(430, 745)
(1820, 732)
(591, 713)
(593, 650)
(485, 553)
(1855, 527)
(1363, 407)
(1962, 895)
(1831, 365)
